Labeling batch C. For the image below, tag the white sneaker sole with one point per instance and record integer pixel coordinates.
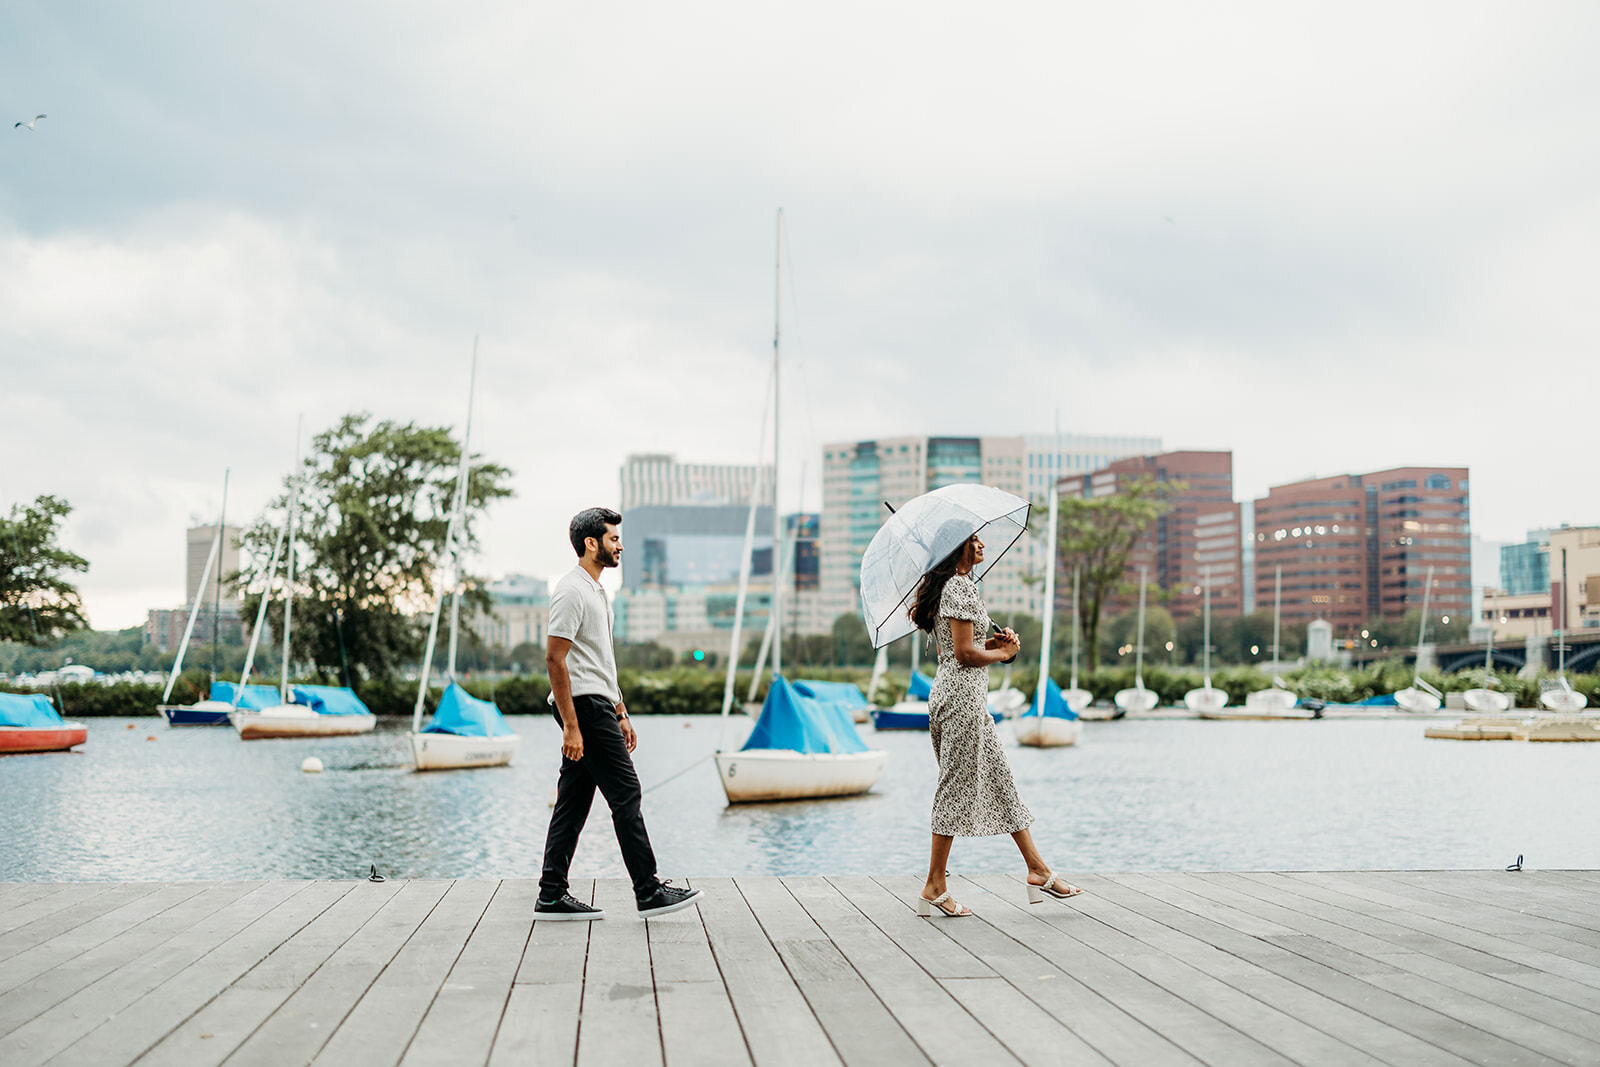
(567, 916)
(670, 908)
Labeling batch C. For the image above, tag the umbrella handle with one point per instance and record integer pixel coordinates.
(889, 506)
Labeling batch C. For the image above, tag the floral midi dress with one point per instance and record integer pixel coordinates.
(976, 795)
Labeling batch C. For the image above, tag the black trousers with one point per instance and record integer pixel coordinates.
(608, 766)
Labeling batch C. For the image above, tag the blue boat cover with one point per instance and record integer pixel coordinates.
(802, 724)
(845, 693)
(1382, 700)
(462, 714)
(329, 699)
(33, 709)
(921, 686)
(1055, 705)
(254, 697)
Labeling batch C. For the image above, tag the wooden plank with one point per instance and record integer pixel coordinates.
(298, 1028)
(460, 1024)
(1472, 995)
(52, 952)
(1430, 1031)
(936, 1021)
(861, 1028)
(53, 986)
(698, 1024)
(1488, 904)
(71, 895)
(15, 894)
(1362, 991)
(918, 938)
(540, 1023)
(1210, 980)
(1191, 938)
(46, 927)
(382, 1023)
(1102, 1021)
(1512, 959)
(778, 1024)
(1211, 1019)
(149, 1018)
(618, 1021)
(48, 1033)
(1029, 1032)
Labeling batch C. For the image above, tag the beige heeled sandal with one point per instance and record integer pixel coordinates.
(927, 908)
(1036, 892)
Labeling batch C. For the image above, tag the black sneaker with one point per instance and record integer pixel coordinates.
(666, 898)
(565, 909)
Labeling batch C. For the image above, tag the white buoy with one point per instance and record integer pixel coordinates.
(311, 765)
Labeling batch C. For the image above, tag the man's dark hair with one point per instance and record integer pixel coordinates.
(591, 522)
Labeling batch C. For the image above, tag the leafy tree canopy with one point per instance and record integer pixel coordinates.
(374, 504)
(38, 605)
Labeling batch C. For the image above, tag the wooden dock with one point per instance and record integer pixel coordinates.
(1338, 968)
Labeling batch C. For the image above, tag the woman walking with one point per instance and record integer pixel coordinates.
(976, 796)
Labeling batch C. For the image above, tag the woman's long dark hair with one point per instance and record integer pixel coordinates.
(924, 609)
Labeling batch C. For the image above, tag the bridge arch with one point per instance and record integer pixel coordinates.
(1475, 659)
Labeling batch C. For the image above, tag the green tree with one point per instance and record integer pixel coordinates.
(1123, 632)
(38, 605)
(1098, 536)
(374, 503)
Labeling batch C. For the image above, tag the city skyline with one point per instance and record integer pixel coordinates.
(1325, 251)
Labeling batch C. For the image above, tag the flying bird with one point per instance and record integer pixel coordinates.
(29, 125)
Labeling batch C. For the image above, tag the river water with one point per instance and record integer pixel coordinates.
(144, 801)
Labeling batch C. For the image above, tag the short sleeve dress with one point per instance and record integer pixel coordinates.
(976, 795)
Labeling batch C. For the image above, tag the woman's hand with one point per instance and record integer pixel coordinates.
(1005, 639)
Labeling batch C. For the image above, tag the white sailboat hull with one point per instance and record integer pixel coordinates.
(1486, 701)
(448, 752)
(1416, 700)
(1136, 699)
(1077, 699)
(1046, 731)
(1008, 702)
(297, 720)
(1205, 699)
(1563, 699)
(782, 774)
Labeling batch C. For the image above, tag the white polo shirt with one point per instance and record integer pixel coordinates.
(580, 611)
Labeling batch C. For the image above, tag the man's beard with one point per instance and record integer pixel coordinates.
(604, 558)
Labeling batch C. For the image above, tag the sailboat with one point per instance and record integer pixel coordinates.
(1485, 699)
(1419, 696)
(30, 723)
(464, 731)
(1208, 699)
(1138, 698)
(212, 711)
(1049, 722)
(302, 710)
(1278, 702)
(1560, 696)
(800, 747)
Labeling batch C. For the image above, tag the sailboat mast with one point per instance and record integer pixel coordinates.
(1049, 579)
(777, 513)
(1138, 654)
(261, 613)
(1205, 576)
(1074, 683)
(194, 611)
(1277, 604)
(288, 582)
(1422, 624)
(216, 600)
(458, 513)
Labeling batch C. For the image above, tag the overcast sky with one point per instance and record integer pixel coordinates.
(1330, 237)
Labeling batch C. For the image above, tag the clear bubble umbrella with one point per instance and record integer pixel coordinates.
(921, 534)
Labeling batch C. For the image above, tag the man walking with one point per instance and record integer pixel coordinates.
(596, 736)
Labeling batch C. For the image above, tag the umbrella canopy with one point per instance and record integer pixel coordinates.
(920, 535)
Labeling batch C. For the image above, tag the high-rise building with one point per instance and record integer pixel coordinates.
(659, 480)
(687, 545)
(1358, 546)
(197, 550)
(860, 476)
(519, 612)
(1195, 540)
(1550, 582)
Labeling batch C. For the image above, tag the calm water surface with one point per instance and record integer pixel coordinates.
(1133, 796)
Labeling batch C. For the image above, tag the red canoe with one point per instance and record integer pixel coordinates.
(42, 738)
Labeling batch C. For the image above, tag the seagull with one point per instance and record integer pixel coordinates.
(29, 125)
